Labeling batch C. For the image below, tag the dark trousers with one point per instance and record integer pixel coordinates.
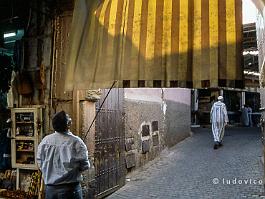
(66, 191)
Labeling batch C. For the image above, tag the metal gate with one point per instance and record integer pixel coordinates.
(109, 144)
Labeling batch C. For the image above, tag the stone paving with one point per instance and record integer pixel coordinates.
(192, 169)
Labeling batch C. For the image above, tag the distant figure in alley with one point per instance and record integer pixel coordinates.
(245, 116)
(219, 120)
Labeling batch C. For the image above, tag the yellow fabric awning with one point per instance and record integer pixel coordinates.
(155, 43)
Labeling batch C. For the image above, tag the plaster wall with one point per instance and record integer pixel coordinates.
(154, 119)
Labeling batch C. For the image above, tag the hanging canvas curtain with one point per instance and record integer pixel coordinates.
(155, 43)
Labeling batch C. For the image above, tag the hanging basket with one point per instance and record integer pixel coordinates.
(25, 86)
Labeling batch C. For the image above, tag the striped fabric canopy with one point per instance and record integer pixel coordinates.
(155, 43)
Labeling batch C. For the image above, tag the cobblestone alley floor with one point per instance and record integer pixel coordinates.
(192, 169)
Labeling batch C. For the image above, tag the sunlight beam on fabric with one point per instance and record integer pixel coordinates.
(155, 43)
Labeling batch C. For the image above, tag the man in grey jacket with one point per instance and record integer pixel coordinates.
(62, 157)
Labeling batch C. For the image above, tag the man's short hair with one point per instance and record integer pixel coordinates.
(60, 122)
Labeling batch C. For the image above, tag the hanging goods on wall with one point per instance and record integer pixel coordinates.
(24, 84)
(5, 72)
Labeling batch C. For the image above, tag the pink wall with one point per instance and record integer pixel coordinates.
(181, 95)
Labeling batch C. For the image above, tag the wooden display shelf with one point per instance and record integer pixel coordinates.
(25, 150)
(24, 122)
(25, 138)
(31, 134)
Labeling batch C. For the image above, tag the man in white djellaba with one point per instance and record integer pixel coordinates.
(219, 120)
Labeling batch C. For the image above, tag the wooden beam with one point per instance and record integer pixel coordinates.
(76, 113)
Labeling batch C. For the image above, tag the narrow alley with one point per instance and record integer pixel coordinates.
(100, 99)
(193, 169)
